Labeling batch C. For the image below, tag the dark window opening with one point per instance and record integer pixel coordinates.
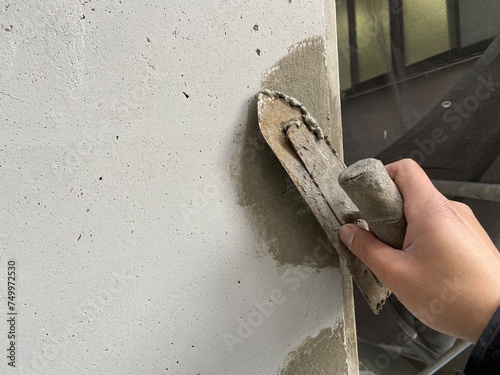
(382, 42)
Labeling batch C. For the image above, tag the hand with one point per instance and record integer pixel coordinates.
(448, 272)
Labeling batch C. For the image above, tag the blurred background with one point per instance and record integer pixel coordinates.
(419, 79)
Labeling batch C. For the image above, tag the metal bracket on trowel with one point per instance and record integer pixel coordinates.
(314, 167)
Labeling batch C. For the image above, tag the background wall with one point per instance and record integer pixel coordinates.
(123, 132)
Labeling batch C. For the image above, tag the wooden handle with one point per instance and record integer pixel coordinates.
(378, 199)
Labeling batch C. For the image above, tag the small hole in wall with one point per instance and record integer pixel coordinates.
(258, 51)
(186, 95)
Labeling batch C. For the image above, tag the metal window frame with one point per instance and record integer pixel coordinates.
(399, 72)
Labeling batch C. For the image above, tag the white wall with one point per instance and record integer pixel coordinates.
(133, 255)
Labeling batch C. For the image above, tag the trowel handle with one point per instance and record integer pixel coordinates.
(378, 199)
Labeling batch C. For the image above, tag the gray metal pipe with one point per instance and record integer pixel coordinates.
(474, 190)
(455, 350)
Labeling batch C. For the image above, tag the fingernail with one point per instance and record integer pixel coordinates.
(346, 235)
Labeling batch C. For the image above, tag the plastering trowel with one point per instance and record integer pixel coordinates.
(362, 193)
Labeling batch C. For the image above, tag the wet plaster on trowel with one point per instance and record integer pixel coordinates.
(318, 355)
(307, 118)
(279, 214)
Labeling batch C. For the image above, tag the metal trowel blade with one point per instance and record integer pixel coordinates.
(314, 166)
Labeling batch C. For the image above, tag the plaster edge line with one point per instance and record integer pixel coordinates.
(332, 69)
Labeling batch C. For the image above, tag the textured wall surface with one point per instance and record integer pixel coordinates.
(121, 126)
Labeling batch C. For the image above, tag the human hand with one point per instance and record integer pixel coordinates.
(448, 272)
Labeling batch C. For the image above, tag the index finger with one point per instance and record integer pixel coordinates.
(413, 183)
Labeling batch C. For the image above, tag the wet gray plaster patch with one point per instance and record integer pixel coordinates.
(278, 213)
(303, 74)
(276, 210)
(319, 355)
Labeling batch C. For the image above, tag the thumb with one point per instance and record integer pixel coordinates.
(384, 261)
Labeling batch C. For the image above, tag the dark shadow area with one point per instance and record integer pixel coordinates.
(459, 139)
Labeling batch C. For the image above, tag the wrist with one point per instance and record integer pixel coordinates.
(482, 321)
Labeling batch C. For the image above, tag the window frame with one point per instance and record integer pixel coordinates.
(399, 72)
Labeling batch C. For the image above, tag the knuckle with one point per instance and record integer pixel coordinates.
(462, 207)
(442, 203)
(409, 163)
(455, 209)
